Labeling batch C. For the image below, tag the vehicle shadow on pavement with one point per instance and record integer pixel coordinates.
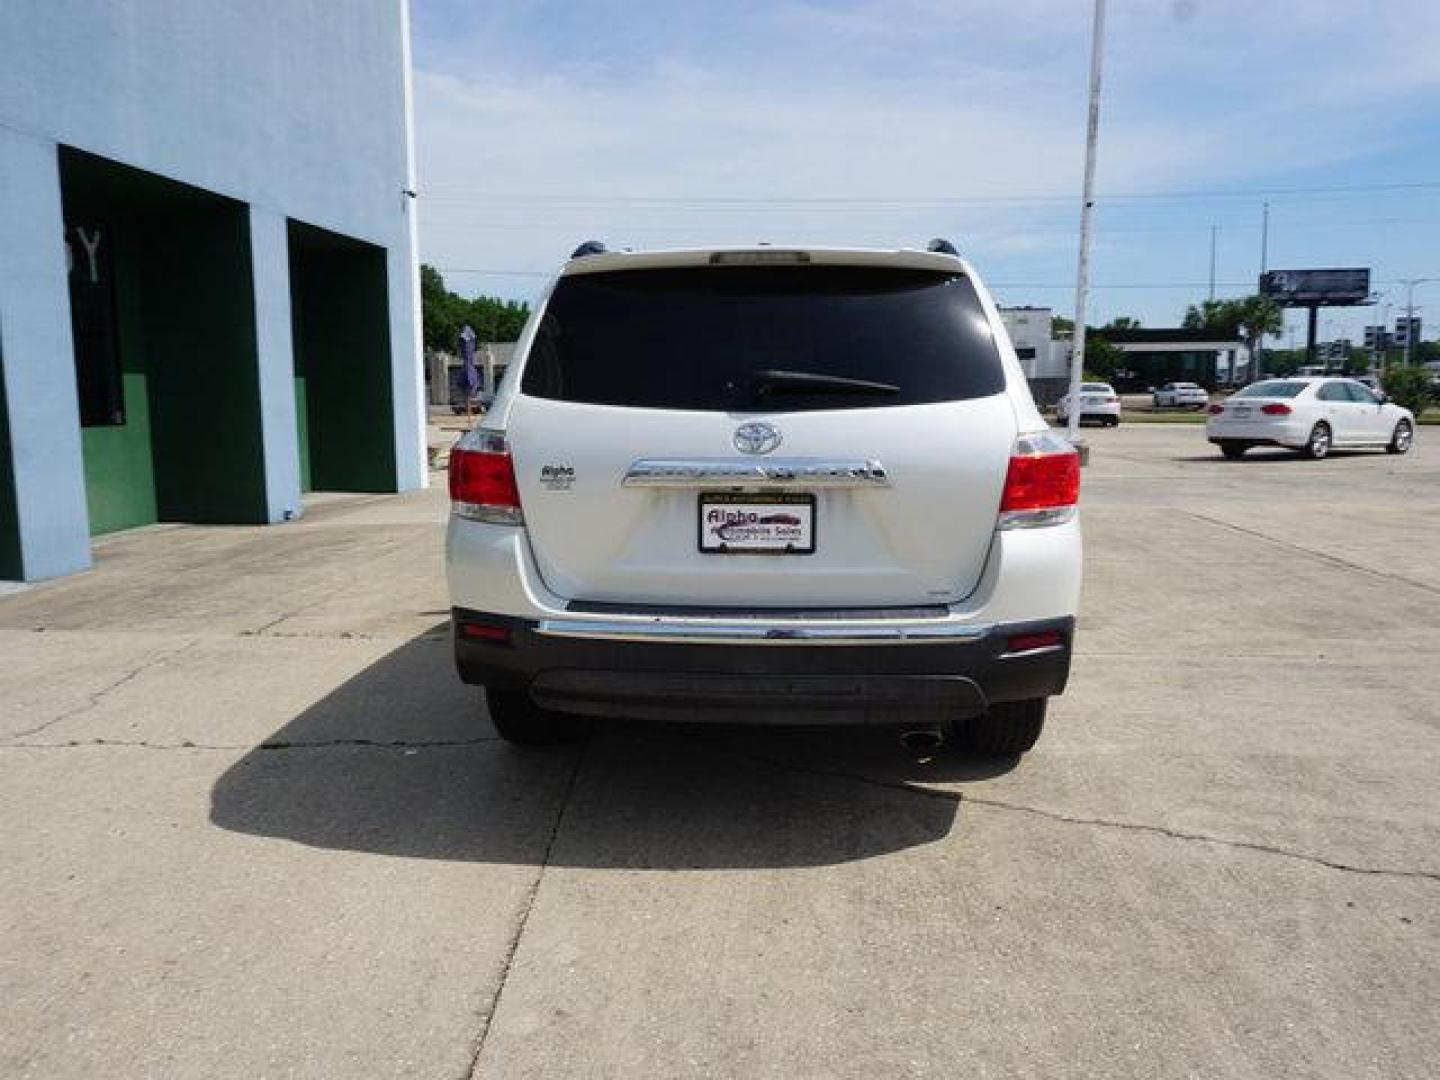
(400, 760)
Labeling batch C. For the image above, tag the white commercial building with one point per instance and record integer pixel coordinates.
(1041, 357)
(208, 297)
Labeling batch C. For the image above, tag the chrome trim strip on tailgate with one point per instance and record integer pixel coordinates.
(805, 472)
(763, 633)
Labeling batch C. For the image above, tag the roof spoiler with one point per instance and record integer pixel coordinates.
(942, 246)
(589, 247)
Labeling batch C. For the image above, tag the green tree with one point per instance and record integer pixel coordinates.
(1123, 322)
(1221, 315)
(1408, 387)
(1102, 359)
(1061, 326)
(443, 314)
(1251, 317)
(1259, 316)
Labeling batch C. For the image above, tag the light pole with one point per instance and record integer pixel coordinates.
(1087, 208)
(1376, 355)
(1214, 230)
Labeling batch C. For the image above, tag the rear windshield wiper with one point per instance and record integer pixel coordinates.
(806, 382)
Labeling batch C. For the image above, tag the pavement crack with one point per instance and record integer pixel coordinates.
(1202, 838)
(100, 695)
(959, 797)
(527, 906)
(1333, 560)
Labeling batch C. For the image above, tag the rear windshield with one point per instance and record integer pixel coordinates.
(1273, 388)
(763, 339)
(1095, 388)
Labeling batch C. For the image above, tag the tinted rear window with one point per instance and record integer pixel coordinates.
(695, 338)
(1273, 388)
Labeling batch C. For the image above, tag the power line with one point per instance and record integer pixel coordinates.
(1109, 230)
(439, 195)
(492, 272)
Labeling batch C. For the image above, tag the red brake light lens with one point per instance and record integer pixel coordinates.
(1042, 484)
(482, 480)
(1275, 408)
(1216, 410)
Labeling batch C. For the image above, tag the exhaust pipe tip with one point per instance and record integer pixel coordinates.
(922, 742)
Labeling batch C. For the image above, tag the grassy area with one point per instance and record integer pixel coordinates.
(1164, 418)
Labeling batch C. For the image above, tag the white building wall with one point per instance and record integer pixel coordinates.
(298, 108)
(1029, 330)
(54, 529)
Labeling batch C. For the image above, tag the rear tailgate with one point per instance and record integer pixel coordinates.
(920, 538)
(886, 427)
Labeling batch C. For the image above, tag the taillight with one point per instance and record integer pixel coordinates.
(1216, 410)
(482, 480)
(1275, 408)
(1042, 483)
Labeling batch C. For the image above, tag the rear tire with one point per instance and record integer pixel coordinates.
(1233, 450)
(1318, 445)
(519, 720)
(1011, 727)
(1401, 440)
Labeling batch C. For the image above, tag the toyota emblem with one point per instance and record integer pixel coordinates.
(756, 438)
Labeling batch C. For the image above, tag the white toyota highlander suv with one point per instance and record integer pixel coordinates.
(765, 485)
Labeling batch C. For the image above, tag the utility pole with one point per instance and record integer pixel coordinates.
(1213, 230)
(1410, 284)
(1265, 238)
(1087, 208)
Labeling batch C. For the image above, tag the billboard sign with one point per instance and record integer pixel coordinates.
(1322, 288)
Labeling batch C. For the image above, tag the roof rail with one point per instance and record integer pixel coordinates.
(944, 247)
(589, 247)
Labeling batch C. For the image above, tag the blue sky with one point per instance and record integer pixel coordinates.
(887, 122)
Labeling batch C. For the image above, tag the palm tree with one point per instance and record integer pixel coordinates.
(1258, 316)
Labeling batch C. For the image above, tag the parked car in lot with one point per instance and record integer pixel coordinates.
(1180, 395)
(1098, 403)
(766, 486)
(1312, 415)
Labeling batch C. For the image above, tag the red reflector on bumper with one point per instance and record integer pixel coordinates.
(482, 632)
(1045, 639)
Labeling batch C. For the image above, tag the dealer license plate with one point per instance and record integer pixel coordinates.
(1242, 410)
(757, 524)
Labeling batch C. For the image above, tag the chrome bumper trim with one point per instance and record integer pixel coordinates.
(764, 632)
(805, 472)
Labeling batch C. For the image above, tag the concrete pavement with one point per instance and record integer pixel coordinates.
(252, 826)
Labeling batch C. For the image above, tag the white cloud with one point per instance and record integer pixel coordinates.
(904, 99)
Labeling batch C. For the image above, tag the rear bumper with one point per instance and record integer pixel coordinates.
(749, 671)
(1259, 433)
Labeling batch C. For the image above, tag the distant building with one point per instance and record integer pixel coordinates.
(1041, 356)
(1407, 330)
(1376, 337)
(1044, 359)
(1155, 357)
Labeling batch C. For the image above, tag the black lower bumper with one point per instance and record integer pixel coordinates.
(763, 683)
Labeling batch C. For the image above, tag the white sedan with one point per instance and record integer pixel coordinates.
(1312, 415)
(1098, 401)
(1180, 395)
